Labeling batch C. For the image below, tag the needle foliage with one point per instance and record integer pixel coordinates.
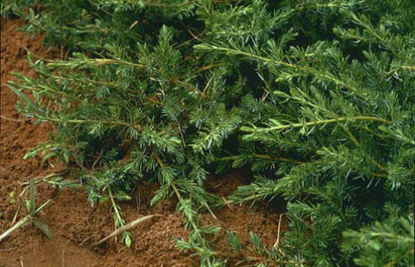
(317, 97)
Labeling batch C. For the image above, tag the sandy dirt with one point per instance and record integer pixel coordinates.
(76, 224)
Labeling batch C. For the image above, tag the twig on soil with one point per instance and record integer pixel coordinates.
(218, 185)
(15, 120)
(7, 249)
(86, 239)
(125, 228)
(40, 178)
(277, 242)
(228, 203)
(36, 56)
(63, 253)
(15, 215)
(210, 211)
(15, 227)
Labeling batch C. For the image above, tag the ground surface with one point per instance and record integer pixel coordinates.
(75, 223)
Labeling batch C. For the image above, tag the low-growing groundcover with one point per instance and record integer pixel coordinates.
(317, 97)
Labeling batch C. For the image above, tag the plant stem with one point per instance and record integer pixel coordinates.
(114, 205)
(15, 227)
(263, 157)
(312, 123)
(179, 196)
(121, 123)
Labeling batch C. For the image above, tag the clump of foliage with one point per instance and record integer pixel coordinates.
(316, 97)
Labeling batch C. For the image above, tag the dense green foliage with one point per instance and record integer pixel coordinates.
(317, 97)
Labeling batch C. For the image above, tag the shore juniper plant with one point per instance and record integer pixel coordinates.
(316, 97)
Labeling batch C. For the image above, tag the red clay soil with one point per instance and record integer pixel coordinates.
(76, 224)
